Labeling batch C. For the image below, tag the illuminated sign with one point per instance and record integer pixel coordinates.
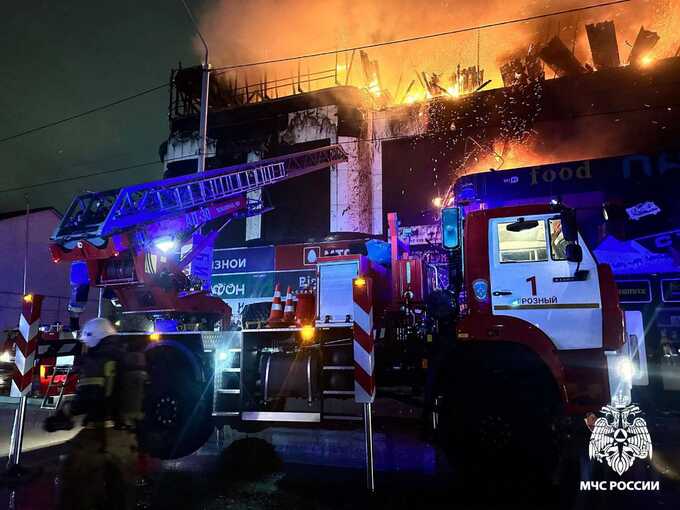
(634, 291)
(670, 290)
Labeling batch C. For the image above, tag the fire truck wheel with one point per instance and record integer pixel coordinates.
(178, 411)
(498, 431)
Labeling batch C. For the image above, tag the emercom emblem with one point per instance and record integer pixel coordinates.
(617, 440)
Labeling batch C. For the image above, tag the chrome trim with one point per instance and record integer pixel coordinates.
(338, 392)
(271, 330)
(338, 367)
(341, 417)
(280, 416)
(319, 324)
(266, 378)
(309, 379)
(226, 413)
(228, 392)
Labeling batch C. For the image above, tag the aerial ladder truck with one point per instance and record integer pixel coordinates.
(494, 357)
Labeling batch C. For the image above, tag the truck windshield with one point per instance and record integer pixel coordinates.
(525, 246)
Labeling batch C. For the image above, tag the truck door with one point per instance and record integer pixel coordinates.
(532, 280)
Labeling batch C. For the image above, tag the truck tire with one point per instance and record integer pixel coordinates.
(497, 428)
(178, 408)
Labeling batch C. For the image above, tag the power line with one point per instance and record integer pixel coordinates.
(311, 55)
(422, 37)
(83, 114)
(351, 142)
(78, 177)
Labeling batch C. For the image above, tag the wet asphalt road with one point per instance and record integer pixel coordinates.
(315, 469)
(34, 436)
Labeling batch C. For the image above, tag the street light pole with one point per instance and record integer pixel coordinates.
(28, 215)
(203, 120)
(205, 87)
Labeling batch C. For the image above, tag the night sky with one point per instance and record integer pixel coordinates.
(60, 58)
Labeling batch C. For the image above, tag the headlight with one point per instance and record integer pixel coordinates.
(626, 369)
(307, 333)
(5, 357)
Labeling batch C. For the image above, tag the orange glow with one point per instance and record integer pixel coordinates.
(307, 333)
(415, 97)
(504, 156)
(646, 61)
(155, 337)
(28, 298)
(374, 88)
(405, 73)
(360, 282)
(453, 91)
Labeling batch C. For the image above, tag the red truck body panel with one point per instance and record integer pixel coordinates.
(580, 374)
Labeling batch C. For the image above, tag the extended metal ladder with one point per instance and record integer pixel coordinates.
(93, 215)
(48, 400)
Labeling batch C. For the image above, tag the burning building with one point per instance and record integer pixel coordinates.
(562, 103)
(408, 143)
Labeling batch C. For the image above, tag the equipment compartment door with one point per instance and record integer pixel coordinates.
(531, 280)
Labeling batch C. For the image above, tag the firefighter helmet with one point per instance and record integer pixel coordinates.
(96, 329)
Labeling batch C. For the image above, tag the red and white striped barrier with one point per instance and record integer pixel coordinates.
(57, 348)
(27, 344)
(364, 381)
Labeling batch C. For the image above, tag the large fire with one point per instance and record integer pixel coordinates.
(448, 66)
(504, 156)
(452, 68)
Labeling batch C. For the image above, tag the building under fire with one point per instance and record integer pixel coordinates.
(404, 155)
(554, 115)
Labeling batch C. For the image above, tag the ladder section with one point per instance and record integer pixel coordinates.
(227, 399)
(137, 207)
(86, 215)
(102, 214)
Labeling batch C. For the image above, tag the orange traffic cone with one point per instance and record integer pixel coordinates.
(289, 309)
(276, 314)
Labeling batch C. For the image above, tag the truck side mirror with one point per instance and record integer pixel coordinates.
(451, 227)
(569, 226)
(573, 253)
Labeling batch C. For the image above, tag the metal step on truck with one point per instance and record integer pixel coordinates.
(526, 336)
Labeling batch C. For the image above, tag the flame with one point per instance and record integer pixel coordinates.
(334, 24)
(503, 155)
(647, 60)
(453, 90)
(417, 97)
(374, 88)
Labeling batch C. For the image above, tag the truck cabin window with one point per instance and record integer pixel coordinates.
(528, 245)
(558, 244)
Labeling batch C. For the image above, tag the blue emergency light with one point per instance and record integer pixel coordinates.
(451, 227)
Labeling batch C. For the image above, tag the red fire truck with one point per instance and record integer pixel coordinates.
(527, 333)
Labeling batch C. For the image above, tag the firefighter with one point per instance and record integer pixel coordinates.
(100, 471)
